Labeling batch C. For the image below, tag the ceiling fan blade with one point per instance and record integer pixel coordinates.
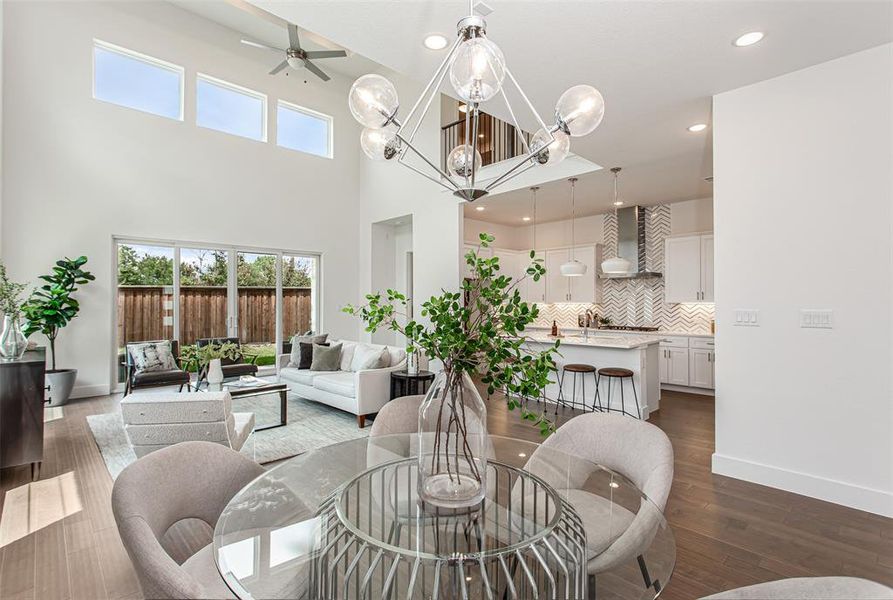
(326, 54)
(261, 46)
(279, 67)
(316, 70)
(293, 40)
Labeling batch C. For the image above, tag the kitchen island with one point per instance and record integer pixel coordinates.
(638, 353)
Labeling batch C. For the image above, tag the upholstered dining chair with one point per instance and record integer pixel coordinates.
(191, 480)
(400, 415)
(809, 588)
(637, 450)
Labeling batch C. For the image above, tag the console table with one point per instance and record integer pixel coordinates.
(22, 390)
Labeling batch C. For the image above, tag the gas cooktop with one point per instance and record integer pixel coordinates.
(628, 328)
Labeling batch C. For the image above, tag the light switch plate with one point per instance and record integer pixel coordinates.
(816, 318)
(747, 317)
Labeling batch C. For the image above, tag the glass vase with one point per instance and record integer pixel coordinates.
(453, 443)
(12, 341)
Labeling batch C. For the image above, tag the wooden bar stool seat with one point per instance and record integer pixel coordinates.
(575, 369)
(621, 375)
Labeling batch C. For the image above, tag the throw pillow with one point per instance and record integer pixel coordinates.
(152, 356)
(347, 350)
(307, 354)
(326, 358)
(295, 359)
(367, 357)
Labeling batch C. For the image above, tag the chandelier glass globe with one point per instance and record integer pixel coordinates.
(373, 101)
(459, 163)
(379, 144)
(555, 152)
(580, 109)
(478, 70)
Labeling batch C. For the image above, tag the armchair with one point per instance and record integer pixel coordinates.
(134, 378)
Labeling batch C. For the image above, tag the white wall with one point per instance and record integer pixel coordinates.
(803, 220)
(78, 171)
(391, 190)
(691, 216)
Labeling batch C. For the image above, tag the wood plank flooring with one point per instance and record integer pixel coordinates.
(729, 533)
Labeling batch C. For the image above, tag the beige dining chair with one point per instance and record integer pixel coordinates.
(190, 480)
(400, 415)
(635, 449)
(809, 588)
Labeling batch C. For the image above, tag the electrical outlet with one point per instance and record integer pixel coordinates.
(814, 318)
(747, 317)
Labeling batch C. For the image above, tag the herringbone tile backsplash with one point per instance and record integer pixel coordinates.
(638, 302)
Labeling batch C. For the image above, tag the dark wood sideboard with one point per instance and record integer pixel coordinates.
(22, 389)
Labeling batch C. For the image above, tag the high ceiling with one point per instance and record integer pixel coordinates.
(657, 63)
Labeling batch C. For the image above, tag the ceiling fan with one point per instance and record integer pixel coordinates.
(296, 57)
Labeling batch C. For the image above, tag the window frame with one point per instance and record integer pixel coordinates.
(240, 89)
(179, 70)
(329, 119)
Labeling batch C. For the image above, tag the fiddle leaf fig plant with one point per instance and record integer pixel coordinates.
(52, 306)
(479, 329)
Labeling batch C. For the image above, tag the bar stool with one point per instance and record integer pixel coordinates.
(622, 375)
(576, 369)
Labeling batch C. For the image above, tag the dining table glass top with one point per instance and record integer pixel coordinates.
(345, 521)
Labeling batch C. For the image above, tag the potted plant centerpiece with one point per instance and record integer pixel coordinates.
(206, 360)
(51, 307)
(12, 341)
(477, 330)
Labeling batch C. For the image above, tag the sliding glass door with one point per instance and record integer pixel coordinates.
(185, 292)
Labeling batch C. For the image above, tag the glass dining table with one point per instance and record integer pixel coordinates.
(345, 521)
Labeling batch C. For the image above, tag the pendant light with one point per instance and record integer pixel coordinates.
(616, 265)
(534, 189)
(573, 267)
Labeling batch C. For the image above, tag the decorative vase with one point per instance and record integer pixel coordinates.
(412, 363)
(453, 443)
(215, 372)
(12, 341)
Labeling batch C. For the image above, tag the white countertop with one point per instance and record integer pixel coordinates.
(602, 339)
(575, 330)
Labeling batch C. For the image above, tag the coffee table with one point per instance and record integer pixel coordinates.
(230, 384)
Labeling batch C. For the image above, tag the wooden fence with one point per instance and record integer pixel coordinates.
(147, 313)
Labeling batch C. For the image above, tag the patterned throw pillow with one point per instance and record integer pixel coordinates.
(294, 360)
(152, 356)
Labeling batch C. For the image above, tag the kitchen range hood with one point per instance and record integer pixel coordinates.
(631, 244)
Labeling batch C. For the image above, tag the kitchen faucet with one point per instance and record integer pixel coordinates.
(590, 317)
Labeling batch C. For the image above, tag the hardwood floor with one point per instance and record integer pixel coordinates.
(729, 533)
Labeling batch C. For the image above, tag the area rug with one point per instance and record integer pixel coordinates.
(311, 425)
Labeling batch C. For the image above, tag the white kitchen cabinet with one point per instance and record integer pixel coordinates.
(557, 288)
(571, 289)
(533, 291)
(700, 368)
(674, 360)
(688, 269)
(582, 289)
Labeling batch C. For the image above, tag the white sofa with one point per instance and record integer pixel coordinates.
(154, 421)
(360, 393)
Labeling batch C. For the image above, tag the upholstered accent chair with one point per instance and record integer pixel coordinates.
(156, 420)
(637, 450)
(232, 367)
(136, 378)
(809, 588)
(192, 480)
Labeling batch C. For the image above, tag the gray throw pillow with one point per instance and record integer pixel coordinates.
(152, 356)
(326, 358)
(295, 359)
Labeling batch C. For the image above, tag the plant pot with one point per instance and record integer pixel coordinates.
(12, 341)
(215, 372)
(60, 383)
(453, 443)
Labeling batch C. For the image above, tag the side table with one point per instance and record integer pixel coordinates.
(404, 384)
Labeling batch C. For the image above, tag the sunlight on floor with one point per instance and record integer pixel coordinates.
(52, 413)
(35, 505)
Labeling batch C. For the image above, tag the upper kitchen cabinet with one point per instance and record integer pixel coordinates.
(571, 289)
(532, 291)
(688, 269)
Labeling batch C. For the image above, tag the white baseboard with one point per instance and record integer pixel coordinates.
(88, 391)
(839, 492)
(687, 389)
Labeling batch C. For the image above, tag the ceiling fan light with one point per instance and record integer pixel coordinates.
(615, 265)
(573, 268)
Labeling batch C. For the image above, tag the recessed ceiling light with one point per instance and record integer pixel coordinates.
(614, 484)
(525, 218)
(748, 39)
(435, 41)
(618, 203)
(697, 127)
(479, 208)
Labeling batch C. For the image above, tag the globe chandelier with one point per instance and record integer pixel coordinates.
(478, 73)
